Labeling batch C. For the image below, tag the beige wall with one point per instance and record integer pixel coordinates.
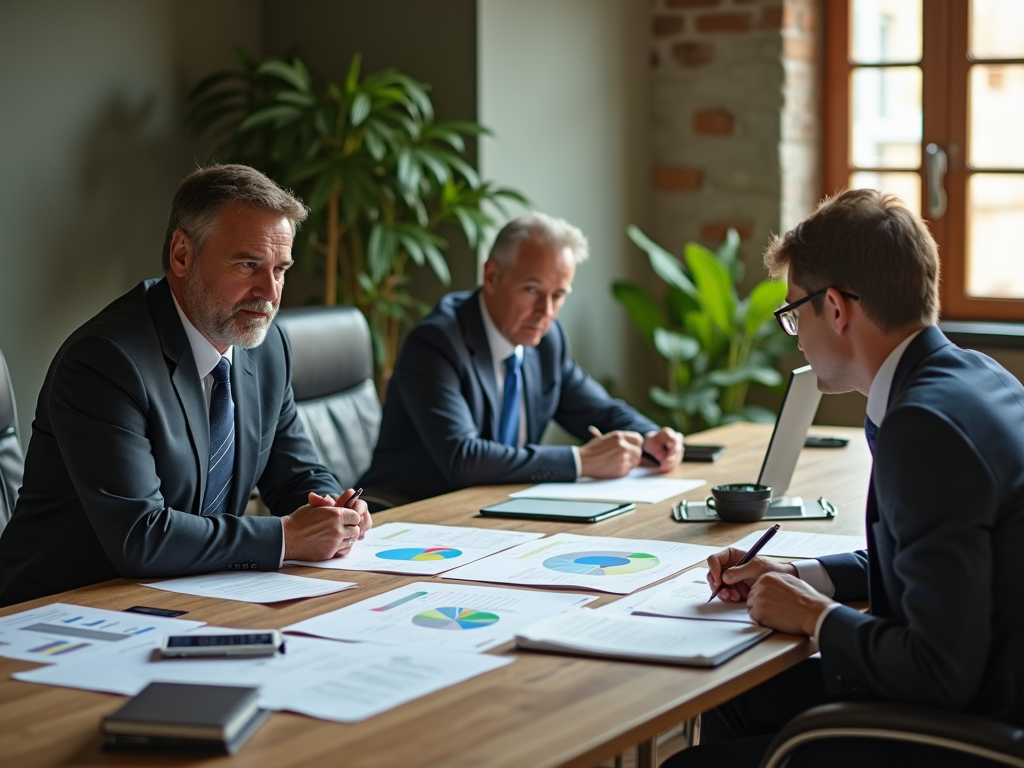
(564, 86)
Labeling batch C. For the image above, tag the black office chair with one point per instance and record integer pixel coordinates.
(12, 460)
(966, 734)
(332, 375)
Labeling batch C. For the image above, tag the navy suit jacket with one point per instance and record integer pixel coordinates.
(442, 409)
(116, 468)
(945, 528)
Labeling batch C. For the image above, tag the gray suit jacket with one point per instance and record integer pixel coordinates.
(116, 468)
(442, 409)
(945, 526)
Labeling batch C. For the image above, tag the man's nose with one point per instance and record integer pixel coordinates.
(545, 306)
(268, 287)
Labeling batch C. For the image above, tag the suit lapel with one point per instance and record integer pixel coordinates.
(480, 351)
(184, 377)
(532, 384)
(245, 390)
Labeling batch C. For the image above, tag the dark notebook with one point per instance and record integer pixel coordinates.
(180, 717)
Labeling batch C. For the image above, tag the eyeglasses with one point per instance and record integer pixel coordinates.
(787, 317)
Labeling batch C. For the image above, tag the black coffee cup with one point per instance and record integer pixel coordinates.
(740, 502)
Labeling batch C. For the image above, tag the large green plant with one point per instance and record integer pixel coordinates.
(379, 175)
(715, 344)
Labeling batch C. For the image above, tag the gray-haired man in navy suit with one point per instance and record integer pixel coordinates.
(159, 416)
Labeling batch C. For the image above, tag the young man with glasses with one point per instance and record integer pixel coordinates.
(945, 509)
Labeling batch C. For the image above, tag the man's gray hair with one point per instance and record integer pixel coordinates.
(204, 193)
(557, 232)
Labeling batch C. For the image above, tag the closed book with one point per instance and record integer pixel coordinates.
(177, 711)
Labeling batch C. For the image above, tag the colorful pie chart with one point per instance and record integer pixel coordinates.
(419, 553)
(601, 563)
(454, 618)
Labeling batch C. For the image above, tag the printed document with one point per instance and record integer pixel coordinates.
(642, 638)
(686, 597)
(252, 586)
(320, 678)
(60, 632)
(440, 615)
(641, 486)
(604, 563)
(803, 545)
(420, 549)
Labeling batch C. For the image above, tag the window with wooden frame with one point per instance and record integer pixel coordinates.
(925, 98)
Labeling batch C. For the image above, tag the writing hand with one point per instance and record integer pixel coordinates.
(738, 581)
(665, 446)
(610, 455)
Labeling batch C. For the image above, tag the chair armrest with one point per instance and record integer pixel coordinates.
(969, 734)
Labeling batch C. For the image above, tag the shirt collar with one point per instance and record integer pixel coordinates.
(205, 354)
(501, 347)
(878, 395)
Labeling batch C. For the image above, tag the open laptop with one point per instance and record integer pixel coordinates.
(798, 408)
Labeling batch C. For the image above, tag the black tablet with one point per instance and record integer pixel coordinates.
(565, 511)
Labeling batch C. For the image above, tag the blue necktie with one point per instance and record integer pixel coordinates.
(222, 441)
(508, 427)
(871, 433)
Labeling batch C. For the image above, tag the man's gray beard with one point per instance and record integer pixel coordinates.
(228, 327)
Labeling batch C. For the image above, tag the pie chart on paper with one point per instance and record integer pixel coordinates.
(601, 563)
(420, 553)
(454, 618)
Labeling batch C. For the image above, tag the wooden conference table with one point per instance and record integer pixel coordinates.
(543, 710)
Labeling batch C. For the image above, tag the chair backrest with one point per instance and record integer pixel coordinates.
(332, 376)
(12, 460)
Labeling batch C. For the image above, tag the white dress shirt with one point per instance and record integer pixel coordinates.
(812, 571)
(501, 348)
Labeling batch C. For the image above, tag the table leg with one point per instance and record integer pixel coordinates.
(647, 754)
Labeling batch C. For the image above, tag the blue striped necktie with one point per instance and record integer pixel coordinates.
(508, 426)
(222, 441)
(871, 433)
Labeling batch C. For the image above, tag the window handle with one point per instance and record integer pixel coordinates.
(935, 161)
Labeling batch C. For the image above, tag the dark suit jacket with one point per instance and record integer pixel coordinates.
(945, 526)
(442, 409)
(116, 468)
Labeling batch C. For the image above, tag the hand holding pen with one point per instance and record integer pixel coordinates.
(719, 564)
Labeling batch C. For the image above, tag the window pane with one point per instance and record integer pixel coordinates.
(997, 29)
(886, 106)
(997, 115)
(906, 186)
(995, 220)
(885, 31)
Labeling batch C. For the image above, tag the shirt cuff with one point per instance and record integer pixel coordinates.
(282, 545)
(578, 460)
(814, 573)
(821, 620)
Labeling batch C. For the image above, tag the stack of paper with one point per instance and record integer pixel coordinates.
(420, 549)
(642, 486)
(803, 545)
(252, 586)
(686, 597)
(594, 562)
(427, 614)
(641, 638)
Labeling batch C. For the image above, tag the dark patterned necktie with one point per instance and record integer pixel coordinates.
(508, 427)
(222, 441)
(871, 433)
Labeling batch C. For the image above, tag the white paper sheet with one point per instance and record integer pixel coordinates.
(702, 643)
(252, 586)
(641, 486)
(440, 615)
(420, 549)
(59, 633)
(604, 563)
(686, 597)
(320, 678)
(803, 545)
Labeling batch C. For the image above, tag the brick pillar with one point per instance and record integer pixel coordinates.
(735, 119)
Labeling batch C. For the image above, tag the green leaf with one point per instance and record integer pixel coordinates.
(728, 254)
(352, 78)
(760, 374)
(714, 286)
(758, 414)
(688, 402)
(360, 108)
(664, 264)
(381, 249)
(767, 296)
(675, 346)
(641, 307)
(280, 114)
(295, 76)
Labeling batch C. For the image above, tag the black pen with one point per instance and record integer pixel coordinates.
(359, 492)
(748, 557)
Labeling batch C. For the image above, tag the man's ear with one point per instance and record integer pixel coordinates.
(492, 274)
(182, 253)
(836, 309)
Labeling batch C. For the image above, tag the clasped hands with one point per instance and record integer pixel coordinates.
(776, 597)
(325, 528)
(614, 454)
